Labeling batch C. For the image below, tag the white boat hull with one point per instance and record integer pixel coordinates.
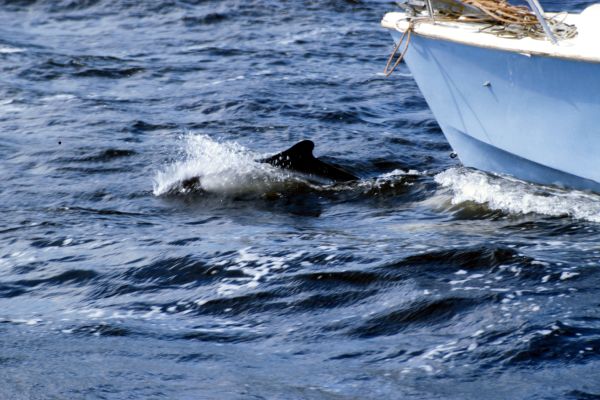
(535, 117)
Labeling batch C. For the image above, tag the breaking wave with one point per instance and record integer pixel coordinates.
(510, 195)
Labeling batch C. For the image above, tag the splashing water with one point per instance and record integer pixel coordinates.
(224, 168)
(514, 196)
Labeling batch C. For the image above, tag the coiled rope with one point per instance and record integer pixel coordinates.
(503, 12)
(508, 20)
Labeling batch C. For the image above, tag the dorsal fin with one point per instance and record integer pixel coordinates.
(303, 148)
(300, 158)
(301, 152)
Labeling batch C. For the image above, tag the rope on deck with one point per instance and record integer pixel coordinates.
(507, 20)
(497, 16)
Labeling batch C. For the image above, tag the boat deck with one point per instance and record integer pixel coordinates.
(584, 47)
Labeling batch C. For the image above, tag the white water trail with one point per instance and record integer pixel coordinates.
(514, 196)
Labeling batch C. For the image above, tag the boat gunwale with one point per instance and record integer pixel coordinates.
(522, 51)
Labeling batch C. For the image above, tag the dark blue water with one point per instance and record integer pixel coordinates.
(424, 280)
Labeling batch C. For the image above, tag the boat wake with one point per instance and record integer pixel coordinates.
(513, 196)
(227, 169)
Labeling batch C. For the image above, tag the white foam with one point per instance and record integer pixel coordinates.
(256, 268)
(398, 172)
(224, 168)
(236, 78)
(567, 275)
(58, 97)
(514, 196)
(388, 179)
(10, 50)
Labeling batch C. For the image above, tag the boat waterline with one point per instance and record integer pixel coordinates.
(480, 155)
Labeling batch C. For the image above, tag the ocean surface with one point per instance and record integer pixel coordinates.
(423, 280)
